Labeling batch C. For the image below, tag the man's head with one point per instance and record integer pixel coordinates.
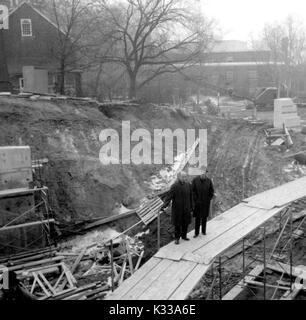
(204, 171)
(182, 176)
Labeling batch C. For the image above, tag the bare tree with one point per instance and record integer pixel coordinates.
(76, 21)
(150, 38)
(287, 42)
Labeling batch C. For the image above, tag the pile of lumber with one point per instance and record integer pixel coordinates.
(93, 291)
(119, 262)
(278, 137)
(149, 210)
(30, 259)
(48, 275)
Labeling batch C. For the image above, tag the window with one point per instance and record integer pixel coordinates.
(26, 27)
(229, 59)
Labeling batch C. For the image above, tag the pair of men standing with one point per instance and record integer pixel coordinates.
(187, 198)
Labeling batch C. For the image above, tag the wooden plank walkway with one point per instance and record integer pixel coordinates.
(175, 270)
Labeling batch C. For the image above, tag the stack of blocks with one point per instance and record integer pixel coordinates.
(285, 113)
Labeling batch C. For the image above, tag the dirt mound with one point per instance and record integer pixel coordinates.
(67, 134)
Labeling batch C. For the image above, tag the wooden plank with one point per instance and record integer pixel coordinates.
(19, 192)
(291, 295)
(168, 281)
(132, 281)
(147, 214)
(229, 238)
(26, 225)
(46, 282)
(109, 219)
(129, 256)
(86, 293)
(261, 284)
(189, 283)
(280, 196)
(35, 263)
(232, 294)
(215, 228)
(282, 267)
(148, 281)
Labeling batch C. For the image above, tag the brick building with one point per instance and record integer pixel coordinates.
(232, 64)
(31, 50)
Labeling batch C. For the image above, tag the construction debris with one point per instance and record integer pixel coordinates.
(278, 137)
(48, 275)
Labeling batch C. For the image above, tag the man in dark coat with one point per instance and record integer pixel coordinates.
(181, 196)
(203, 192)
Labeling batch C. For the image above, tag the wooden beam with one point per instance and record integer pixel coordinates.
(109, 219)
(26, 225)
(19, 192)
(35, 263)
(234, 293)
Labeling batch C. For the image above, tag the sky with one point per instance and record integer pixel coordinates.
(241, 19)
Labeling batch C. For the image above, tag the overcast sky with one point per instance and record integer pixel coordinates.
(240, 18)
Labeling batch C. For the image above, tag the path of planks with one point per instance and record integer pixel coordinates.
(175, 270)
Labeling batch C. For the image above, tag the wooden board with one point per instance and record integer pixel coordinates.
(215, 228)
(19, 192)
(228, 239)
(148, 281)
(148, 212)
(168, 281)
(189, 283)
(132, 281)
(280, 196)
(232, 294)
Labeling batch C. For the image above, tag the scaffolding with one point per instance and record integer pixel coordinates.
(261, 261)
(27, 222)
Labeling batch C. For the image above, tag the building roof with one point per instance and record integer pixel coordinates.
(233, 46)
(25, 3)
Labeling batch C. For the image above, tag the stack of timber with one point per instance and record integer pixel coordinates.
(278, 137)
(31, 258)
(149, 210)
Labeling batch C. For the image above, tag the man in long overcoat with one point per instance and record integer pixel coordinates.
(203, 192)
(181, 196)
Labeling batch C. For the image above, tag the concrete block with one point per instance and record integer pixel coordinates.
(285, 112)
(15, 167)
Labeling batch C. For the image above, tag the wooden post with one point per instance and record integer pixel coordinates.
(291, 249)
(112, 264)
(220, 278)
(158, 230)
(264, 262)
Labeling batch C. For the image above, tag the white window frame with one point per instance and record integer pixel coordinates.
(22, 21)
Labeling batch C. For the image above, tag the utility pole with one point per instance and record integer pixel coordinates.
(5, 85)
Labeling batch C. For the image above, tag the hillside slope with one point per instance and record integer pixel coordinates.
(82, 188)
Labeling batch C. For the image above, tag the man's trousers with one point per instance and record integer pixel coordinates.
(198, 222)
(181, 231)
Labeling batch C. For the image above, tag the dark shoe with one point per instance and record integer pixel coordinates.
(204, 233)
(196, 235)
(177, 241)
(186, 239)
